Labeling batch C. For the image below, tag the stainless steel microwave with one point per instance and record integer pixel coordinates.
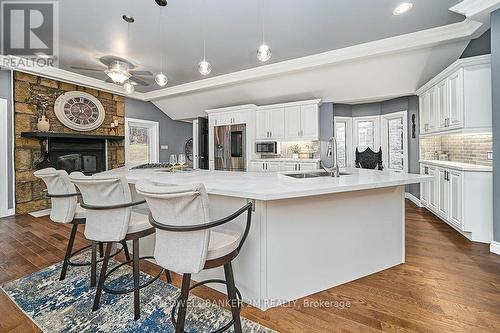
(268, 147)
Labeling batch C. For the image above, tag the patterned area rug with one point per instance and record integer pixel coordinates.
(65, 306)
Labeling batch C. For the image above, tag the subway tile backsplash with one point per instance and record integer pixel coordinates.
(465, 148)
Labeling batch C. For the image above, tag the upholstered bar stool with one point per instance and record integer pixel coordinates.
(187, 243)
(65, 209)
(110, 219)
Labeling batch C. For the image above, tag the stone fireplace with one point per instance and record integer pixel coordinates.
(89, 152)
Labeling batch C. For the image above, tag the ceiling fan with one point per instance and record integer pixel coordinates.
(119, 71)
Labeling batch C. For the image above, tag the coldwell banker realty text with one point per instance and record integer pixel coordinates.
(29, 33)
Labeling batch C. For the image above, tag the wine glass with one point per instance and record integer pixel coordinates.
(173, 159)
(182, 159)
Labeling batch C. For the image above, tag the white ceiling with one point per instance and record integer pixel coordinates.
(92, 28)
(367, 80)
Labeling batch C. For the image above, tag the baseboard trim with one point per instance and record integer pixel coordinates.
(9, 212)
(40, 213)
(413, 199)
(495, 247)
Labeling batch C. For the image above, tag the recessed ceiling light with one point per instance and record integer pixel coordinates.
(402, 8)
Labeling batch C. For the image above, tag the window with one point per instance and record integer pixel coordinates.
(141, 141)
(343, 130)
(366, 133)
(394, 141)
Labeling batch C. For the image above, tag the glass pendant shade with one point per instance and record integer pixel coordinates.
(204, 67)
(264, 53)
(118, 75)
(161, 79)
(129, 87)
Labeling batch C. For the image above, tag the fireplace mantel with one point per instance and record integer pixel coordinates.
(46, 135)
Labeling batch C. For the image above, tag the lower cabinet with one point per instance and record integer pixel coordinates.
(258, 166)
(463, 199)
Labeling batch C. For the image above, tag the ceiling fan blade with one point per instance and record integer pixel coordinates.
(139, 81)
(81, 68)
(108, 80)
(141, 73)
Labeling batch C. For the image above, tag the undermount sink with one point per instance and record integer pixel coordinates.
(303, 175)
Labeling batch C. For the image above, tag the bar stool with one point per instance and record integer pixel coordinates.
(110, 219)
(187, 243)
(66, 209)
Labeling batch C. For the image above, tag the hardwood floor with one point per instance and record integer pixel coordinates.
(447, 284)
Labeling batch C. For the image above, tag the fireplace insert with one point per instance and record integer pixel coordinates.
(87, 156)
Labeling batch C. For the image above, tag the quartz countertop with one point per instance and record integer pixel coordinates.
(273, 185)
(459, 166)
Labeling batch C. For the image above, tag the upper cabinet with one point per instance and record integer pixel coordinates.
(269, 123)
(288, 122)
(459, 98)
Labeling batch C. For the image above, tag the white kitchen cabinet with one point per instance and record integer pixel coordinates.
(270, 124)
(265, 166)
(288, 166)
(433, 110)
(443, 194)
(459, 98)
(309, 122)
(455, 198)
(442, 107)
(464, 198)
(425, 106)
(302, 122)
(292, 122)
(429, 190)
(456, 99)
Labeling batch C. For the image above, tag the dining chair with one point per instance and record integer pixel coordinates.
(111, 219)
(187, 241)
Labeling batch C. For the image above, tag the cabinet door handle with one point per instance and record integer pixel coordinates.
(271, 134)
(299, 167)
(263, 167)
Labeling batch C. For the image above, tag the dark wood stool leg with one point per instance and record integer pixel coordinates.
(69, 249)
(168, 276)
(231, 295)
(181, 314)
(125, 249)
(137, 311)
(101, 249)
(104, 268)
(93, 265)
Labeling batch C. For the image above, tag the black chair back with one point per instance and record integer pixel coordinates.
(368, 159)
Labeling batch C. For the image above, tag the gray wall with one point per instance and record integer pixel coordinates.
(6, 93)
(407, 103)
(172, 133)
(495, 71)
(478, 46)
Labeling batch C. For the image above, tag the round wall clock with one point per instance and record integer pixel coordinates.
(79, 111)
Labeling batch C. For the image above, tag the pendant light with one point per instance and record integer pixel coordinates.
(160, 78)
(128, 86)
(204, 66)
(264, 51)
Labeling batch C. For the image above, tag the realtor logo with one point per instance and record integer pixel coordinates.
(30, 30)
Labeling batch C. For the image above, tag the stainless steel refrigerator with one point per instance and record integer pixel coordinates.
(230, 147)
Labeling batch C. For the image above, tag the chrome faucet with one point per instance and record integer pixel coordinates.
(332, 152)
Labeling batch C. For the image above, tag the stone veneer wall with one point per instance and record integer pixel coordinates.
(466, 148)
(29, 190)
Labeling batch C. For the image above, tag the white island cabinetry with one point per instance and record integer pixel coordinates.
(314, 224)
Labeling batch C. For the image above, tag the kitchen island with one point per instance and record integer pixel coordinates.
(308, 234)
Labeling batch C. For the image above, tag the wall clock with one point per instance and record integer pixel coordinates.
(79, 111)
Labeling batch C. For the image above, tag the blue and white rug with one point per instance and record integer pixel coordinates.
(66, 306)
